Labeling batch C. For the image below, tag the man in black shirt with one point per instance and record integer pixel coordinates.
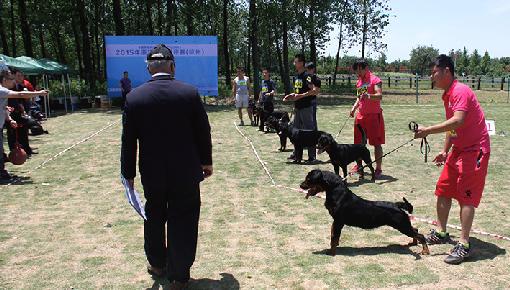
(266, 97)
(302, 97)
(310, 69)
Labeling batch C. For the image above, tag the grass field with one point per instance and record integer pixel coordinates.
(68, 225)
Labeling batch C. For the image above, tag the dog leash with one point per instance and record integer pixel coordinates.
(359, 91)
(425, 148)
(424, 145)
(347, 119)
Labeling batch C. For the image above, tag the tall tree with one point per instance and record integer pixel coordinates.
(474, 63)
(148, 8)
(3, 35)
(86, 50)
(421, 58)
(13, 27)
(117, 17)
(226, 54)
(345, 36)
(372, 23)
(255, 48)
(26, 32)
(285, 46)
(485, 64)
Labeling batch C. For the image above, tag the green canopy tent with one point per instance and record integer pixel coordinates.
(25, 67)
(49, 67)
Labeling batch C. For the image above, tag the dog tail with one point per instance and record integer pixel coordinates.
(406, 205)
(363, 134)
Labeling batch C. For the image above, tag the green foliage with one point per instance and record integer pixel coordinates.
(421, 58)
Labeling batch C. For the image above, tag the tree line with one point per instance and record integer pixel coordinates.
(251, 33)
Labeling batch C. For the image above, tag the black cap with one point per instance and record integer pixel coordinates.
(160, 52)
(310, 65)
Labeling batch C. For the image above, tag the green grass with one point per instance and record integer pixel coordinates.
(68, 224)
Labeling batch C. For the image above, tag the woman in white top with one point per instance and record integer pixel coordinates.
(241, 91)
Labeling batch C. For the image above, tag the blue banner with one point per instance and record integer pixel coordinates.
(196, 60)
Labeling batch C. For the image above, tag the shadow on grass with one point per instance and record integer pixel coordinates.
(483, 250)
(227, 281)
(371, 251)
(19, 180)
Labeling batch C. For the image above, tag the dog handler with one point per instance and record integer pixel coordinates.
(465, 167)
(370, 115)
(173, 162)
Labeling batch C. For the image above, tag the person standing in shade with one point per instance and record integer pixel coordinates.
(125, 87)
(7, 84)
(303, 110)
(465, 166)
(316, 81)
(370, 116)
(241, 93)
(171, 171)
(266, 96)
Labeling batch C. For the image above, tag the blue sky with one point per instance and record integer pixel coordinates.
(444, 24)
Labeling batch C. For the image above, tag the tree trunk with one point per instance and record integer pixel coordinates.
(86, 50)
(59, 45)
(26, 33)
(98, 22)
(148, 6)
(44, 52)
(279, 55)
(313, 45)
(286, 79)
(340, 38)
(226, 55)
(189, 18)
(364, 37)
(3, 35)
(77, 46)
(254, 48)
(117, 18)
(170, 18)
(13, 28)
(160, 18)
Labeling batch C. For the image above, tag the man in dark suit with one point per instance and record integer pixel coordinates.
(169, 122)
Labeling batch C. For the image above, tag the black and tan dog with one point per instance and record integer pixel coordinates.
(342, 155)
(347, 208)
(300, 138)
(275, 117)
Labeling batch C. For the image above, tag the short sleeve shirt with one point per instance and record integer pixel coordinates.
(267, 87)
(4, 92)
(367, 106)
(472, 135)
(125, 84)
(301, 85)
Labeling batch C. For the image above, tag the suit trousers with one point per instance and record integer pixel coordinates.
(179, 208)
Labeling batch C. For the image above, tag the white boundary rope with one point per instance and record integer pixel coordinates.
(65, 150)
(411, 217)
(256, 155)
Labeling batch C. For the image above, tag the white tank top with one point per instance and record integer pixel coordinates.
(241, 86)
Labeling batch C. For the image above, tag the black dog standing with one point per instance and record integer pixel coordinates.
(347, 208)
(342, 155)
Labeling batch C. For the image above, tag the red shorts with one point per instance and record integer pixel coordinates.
(373, 125)
(463, 176)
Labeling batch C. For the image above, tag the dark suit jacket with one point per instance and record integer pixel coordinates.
(169, 122)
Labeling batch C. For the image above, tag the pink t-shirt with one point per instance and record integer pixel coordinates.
(472, 135)
(367, 106)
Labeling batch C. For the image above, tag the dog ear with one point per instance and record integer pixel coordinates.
(316, 176)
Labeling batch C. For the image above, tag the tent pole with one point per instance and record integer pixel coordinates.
(47, 98)
(45, 101)
(64, 87)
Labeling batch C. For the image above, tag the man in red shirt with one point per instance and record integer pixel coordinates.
(465, 167)
(369, 115)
